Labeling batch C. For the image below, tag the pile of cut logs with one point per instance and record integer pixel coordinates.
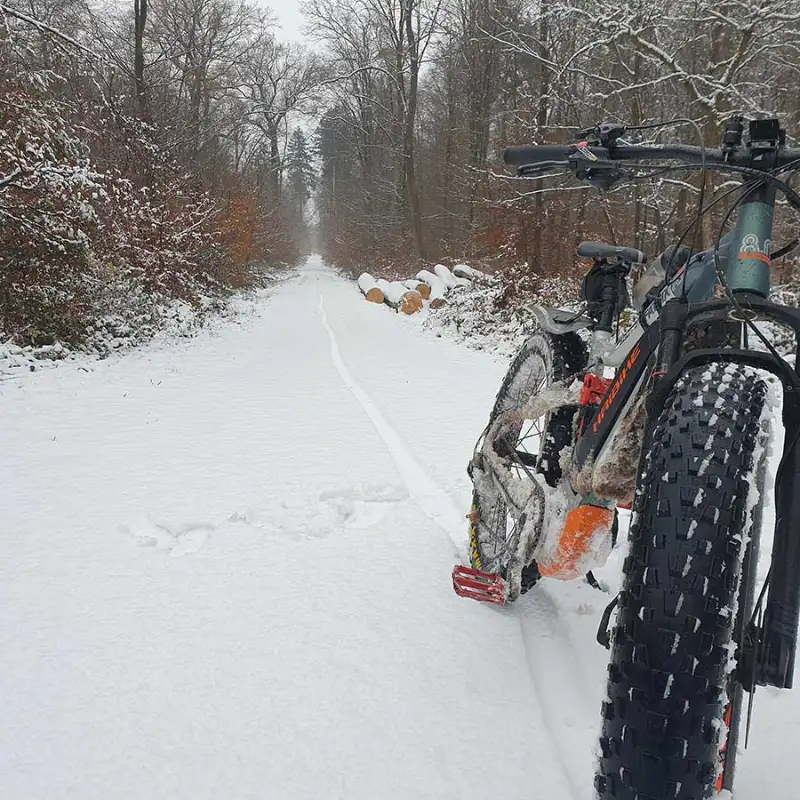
(410, 296)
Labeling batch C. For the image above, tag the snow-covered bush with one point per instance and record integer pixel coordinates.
(81, 243)
(495, 313)
(123, 201)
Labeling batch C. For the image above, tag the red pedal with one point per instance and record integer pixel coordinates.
(488, 587)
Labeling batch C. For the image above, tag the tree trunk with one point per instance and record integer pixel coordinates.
(423, 289)
(140, 20)
(537, 255)
(274, 158)
(369, 288)
(196, 99)
(399, 297)
(680, 212)
(438, 289)
(449, 164)
(408, 137)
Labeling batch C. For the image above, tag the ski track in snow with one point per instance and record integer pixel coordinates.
(223, 575)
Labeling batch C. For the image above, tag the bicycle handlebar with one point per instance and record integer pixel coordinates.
(567, 154)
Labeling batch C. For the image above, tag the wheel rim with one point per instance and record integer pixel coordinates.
(519, 445)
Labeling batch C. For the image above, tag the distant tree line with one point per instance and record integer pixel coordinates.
(166, 150)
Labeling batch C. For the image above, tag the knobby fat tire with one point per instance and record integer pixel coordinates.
(669, 676)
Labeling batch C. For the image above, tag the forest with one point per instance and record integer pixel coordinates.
(155, 152)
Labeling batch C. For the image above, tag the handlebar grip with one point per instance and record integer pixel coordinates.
(789, 157)
(520, 155)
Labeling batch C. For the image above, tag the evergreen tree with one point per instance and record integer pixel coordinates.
(300, 173)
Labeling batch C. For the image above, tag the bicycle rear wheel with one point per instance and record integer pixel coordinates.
(544, 360)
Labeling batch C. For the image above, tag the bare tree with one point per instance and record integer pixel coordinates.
(201, 40)
(275, 80)
(381, 46)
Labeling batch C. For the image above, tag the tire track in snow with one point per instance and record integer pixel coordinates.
(550, 705)
(567, 668)
(434, 502)
(542, 617)
(570, 711)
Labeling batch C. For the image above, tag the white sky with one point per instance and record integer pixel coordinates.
(287, 13)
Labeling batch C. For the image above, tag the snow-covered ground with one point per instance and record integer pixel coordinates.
(225, 573)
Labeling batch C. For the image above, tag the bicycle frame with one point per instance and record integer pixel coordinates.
(631, 357)
(748, 271)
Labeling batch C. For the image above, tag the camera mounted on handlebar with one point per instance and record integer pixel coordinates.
(763, 136)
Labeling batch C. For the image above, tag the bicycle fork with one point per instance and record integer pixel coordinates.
(769, 652)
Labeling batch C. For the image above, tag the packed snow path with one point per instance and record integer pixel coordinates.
(225, 573)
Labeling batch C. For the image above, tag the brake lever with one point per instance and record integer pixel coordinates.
(528, 170)
(604, 179)
(600, 172)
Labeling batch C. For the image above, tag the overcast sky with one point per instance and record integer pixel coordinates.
(287, 12)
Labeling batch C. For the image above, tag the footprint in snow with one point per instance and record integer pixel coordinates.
(176, 540)
(355, 508)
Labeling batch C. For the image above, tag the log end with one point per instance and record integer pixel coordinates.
(411, 303)
(438, 302)
(424, 290)
(374, 295)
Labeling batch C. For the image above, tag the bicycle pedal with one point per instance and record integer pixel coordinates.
(488, 587)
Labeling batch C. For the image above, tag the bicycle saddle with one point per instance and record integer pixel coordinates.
(611, 251)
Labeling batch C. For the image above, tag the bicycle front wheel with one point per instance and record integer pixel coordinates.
(672, 702)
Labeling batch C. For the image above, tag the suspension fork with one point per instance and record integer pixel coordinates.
(778, 640)
(776, 644)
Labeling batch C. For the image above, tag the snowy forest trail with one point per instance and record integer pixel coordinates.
(225, 573)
